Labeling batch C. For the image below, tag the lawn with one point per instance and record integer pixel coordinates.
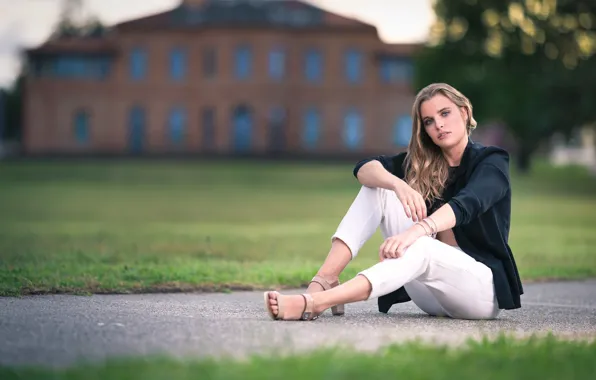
(122, 226)
(544, 358)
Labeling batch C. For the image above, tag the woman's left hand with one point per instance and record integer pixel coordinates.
(394, 246)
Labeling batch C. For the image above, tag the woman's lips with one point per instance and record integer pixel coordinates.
(442, 135)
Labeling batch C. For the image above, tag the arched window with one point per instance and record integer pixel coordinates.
(242, 120)
(277, 128)
(311, 127)
(81, 126)
(313, 65)
(138, 63)
(353, 130)
(353, 66)
(136, 129)
(243, 62)
(177, 125)
(177, 62)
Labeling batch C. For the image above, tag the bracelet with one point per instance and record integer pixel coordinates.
(431, 233)
(431, 227)
(425, 231)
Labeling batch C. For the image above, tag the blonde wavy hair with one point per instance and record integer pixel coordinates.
(427, 169)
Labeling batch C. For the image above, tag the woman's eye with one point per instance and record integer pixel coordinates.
(427, 122)
(445, 113)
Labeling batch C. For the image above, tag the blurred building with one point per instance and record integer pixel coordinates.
(225, 77)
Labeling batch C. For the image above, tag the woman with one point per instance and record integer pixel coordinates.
(444, 210)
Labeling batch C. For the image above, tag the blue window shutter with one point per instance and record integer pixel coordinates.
(178, 64)
(314, 65)
(243, 62)
(353, 129)
(177, 125)
(81, 127)
(311, 127)
(138, 63)
(243, 124)
(137, 121)
(353, 66)
(277, 63)
(396, 69)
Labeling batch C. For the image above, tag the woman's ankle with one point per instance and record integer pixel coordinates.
(330, 278)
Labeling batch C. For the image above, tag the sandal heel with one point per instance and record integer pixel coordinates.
(337, 309)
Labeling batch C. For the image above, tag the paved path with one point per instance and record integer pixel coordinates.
(59, 330)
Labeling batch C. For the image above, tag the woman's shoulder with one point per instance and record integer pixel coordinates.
(489, 154)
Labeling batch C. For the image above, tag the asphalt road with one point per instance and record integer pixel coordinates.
(61, 330)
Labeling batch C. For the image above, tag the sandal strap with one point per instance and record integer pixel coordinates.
(324, 283)
(309, 308)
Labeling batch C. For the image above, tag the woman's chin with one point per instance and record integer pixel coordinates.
(447, 142)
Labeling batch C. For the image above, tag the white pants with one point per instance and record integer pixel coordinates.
(440, 279)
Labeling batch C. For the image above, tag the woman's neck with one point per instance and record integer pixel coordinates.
(455, 153)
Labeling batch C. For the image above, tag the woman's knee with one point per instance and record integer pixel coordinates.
(422, 246)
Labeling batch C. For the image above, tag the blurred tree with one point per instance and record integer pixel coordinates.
(13, 110)
(74, 23)
(71, 23)
(529, 64)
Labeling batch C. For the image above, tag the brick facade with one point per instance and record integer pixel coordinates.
(53, 101)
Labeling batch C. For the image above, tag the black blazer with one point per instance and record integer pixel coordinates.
(480, 196)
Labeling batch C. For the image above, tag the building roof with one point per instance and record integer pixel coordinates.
(278, 14)
(80, 45)
(287, 14)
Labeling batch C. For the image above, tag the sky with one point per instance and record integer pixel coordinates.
(28, 23)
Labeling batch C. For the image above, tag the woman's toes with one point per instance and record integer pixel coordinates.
(273, 303)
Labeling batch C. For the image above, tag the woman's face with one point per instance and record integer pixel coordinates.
(443, 121)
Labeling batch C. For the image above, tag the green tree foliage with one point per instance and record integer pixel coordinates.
(529, 64)
(74, 23)
(13, 110)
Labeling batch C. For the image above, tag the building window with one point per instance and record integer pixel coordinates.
(177, 125)
(136, 129)
(242, 126)
(178, 64)
(402, 131)
(352, 133)
(138, 64)
(353, 66)
(210, 62)
(81, 126)
(396, 70)
(277, 129)
(208, 120)
(73, 66)
(311, 127)
(277, 63)
(243, 62)
(313, 65)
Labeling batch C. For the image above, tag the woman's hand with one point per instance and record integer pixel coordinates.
(394, 246)
(412, 201)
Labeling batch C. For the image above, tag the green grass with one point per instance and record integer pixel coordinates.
(126, 226)
(505, 358)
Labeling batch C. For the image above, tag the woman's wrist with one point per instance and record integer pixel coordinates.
(419, 229)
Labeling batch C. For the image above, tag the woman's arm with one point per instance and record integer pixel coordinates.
(488, 184)
(374, 174)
